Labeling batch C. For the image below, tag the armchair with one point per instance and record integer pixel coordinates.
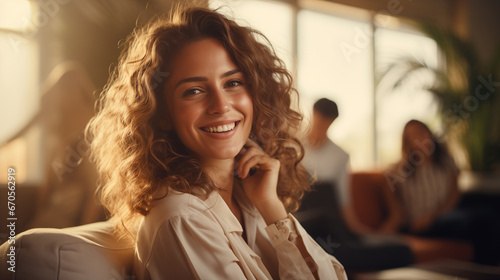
(91, 251)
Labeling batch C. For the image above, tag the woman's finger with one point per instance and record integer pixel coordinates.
(262, 162)
(251, 143)
(249, 153)
(249, 164)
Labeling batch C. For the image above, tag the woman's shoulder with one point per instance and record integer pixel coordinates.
(175, 208)
(176, 204)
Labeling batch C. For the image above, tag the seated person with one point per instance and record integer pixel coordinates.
(424, 180)
(182, 178)
(425, 186)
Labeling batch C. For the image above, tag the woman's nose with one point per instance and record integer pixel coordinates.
(219, 102)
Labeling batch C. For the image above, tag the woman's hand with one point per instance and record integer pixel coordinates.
(259, 175)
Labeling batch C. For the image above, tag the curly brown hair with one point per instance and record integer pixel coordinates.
(139, 161)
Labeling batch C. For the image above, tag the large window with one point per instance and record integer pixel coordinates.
(395, 108)
(334, 52)
(19, 87)
(18, 67)
(324, 70)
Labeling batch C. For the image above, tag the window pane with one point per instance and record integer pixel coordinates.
(273, 19)
(19, 83)
(335, 62)
(15, 14)
(396, 108)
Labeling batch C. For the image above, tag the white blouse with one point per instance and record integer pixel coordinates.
(185, 237)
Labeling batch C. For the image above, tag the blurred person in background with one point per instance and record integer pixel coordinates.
(425, 185)
(326, 162)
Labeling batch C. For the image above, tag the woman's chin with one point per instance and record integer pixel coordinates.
(227, 155)
(222, 154)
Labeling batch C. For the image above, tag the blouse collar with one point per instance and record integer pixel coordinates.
(216, 204)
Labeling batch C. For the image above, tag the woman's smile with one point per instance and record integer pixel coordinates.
(221, 131)
(220, 127)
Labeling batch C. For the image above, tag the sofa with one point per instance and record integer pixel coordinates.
(91, 251)
(369, 191)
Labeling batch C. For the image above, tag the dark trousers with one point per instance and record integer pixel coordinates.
(367, 253)
(477, 220)
(328, 228)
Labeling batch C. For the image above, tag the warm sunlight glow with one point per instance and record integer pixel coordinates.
(15, 14)
(14, 155)
(19, 83)
(398, 107)
(328, 69)
(273, 19)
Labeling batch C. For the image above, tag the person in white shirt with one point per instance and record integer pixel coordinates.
(195, 144)
(329, 163)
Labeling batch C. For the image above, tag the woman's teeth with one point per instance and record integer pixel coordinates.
(220, 128)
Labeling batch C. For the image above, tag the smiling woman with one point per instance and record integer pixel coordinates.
(179, 170)
(207, 101)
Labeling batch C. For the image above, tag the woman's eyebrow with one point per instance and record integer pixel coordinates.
(204, 79)
(229, 73)
(191, 79)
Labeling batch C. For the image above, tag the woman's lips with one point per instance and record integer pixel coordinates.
(221, 131)
(219, 128)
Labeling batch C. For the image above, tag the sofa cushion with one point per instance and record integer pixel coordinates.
(368, 198)
(85, 252)
(432, 249)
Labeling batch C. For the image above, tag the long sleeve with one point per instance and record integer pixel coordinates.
(287, 237)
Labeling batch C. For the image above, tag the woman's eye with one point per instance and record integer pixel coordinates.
(191, 92)
(234, 83)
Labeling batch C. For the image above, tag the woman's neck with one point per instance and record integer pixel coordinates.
(222, 174)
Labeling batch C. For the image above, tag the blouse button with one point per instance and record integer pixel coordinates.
(275, 237)
(282, 230)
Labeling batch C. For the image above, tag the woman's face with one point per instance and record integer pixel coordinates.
(208, 103)
(419, 138)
